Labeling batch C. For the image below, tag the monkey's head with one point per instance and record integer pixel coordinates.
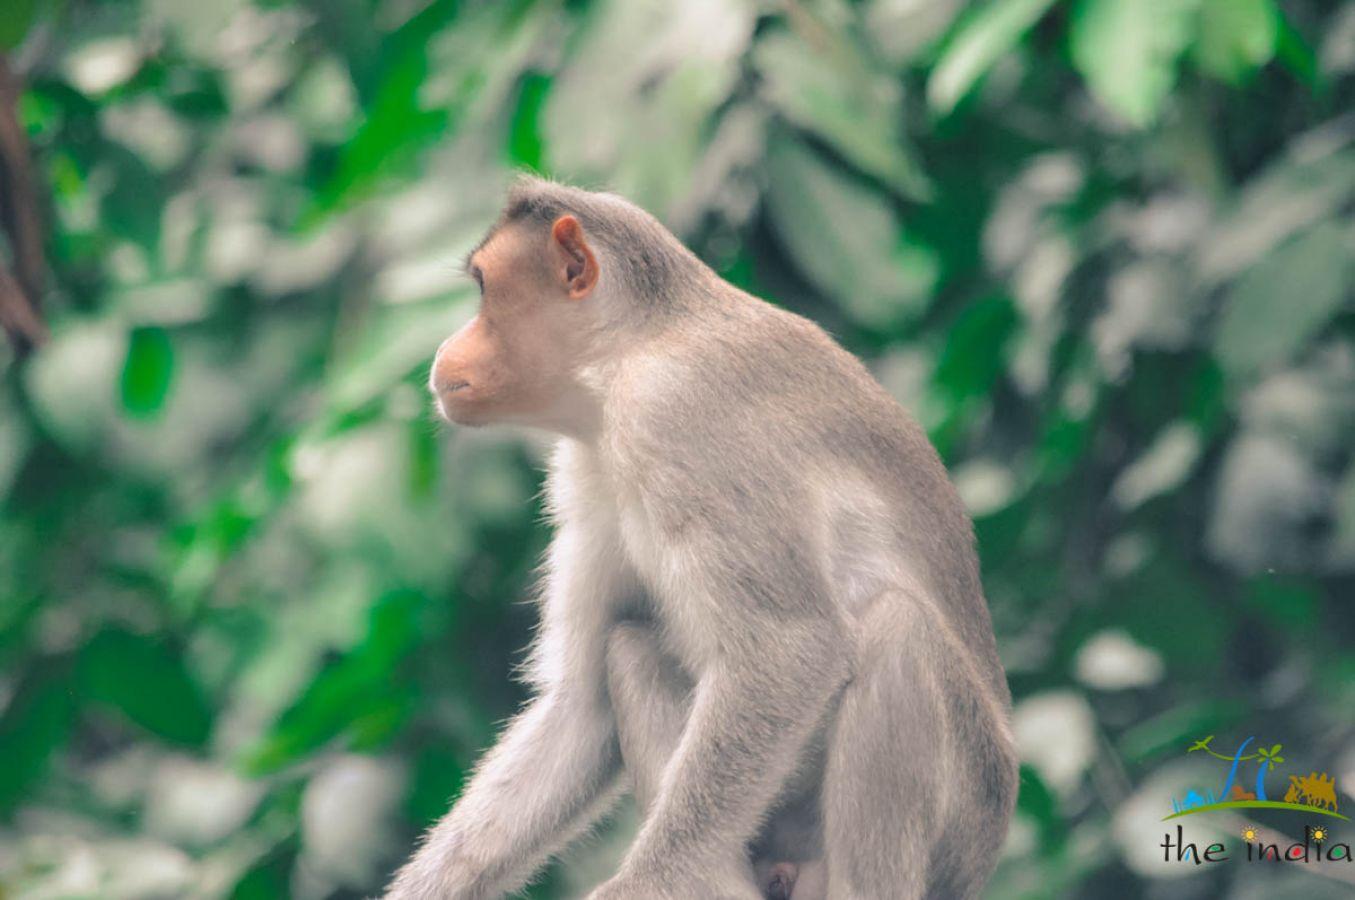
(561, 274)
(518, 359)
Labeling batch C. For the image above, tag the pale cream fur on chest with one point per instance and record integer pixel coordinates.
(854, 546)
(614, 514)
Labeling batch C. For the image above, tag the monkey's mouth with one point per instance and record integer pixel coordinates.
(447, 401)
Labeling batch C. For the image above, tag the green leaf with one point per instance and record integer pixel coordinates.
(1037, 801)
(1293, 51)
(1177, 725)
(855, 110)
(14, 24)
(976, 45)
(148, 372)
(394, 130)
(973, 356)
(148, 683)
(357, 696)
(270, 875)
(396, 124)
(1280, 303)
(1236, 37)
(438, 778)
(1128, 51)
(132, 207)
(1288, 604)
(525, 145)
(847, 239)
(34, 725)
(1179, 597)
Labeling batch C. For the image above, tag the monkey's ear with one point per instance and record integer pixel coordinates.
(571, 258)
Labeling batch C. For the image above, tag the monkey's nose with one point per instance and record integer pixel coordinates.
(449, 387)
(442, 376)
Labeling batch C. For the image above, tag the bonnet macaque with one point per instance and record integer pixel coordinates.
(762, 611)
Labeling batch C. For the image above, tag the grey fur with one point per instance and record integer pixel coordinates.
(762, 605)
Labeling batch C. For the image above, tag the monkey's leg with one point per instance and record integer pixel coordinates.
(651, 697)
(651, 700)
(918, 763)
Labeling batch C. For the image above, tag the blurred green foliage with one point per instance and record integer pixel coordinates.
(258, 613)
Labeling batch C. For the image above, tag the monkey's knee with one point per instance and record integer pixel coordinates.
(639, 671)
(633, 668)
(632, 647)
(649, 694)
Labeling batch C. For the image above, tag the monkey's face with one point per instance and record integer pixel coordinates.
(514, 361)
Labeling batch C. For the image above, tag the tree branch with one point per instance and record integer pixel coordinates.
(21, 281)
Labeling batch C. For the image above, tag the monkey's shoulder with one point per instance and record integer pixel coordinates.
(757, 384)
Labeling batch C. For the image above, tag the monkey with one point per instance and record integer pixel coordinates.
(761, 610)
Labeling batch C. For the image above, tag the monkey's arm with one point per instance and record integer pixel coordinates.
(747, 727)
(781, 659)
(555, 770)
(549, 777)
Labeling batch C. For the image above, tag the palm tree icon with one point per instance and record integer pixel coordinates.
(1268, 758)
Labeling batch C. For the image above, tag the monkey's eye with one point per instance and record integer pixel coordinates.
(479, 278)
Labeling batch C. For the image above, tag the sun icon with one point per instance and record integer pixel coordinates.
(1250, 833)
(1317, 833)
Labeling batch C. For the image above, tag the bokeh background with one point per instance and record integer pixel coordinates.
(259, 611)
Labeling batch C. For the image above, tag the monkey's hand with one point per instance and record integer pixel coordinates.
(542, 782)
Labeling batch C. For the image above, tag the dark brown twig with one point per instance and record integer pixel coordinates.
(21, 286)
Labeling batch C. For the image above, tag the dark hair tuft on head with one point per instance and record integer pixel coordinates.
(647, 255)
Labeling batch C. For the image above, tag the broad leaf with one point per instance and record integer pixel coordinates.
(1236, 37)
(148, 682)
(855, 110)
(14, 24)
(847, 239)
(973, 357)
(33, 726)
(1128, 51)
(979, 43)
(148, 372)
(1282, 301)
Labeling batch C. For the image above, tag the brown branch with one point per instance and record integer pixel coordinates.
(17, 316)
(21, 287)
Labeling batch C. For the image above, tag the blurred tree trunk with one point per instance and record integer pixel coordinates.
(22, 270)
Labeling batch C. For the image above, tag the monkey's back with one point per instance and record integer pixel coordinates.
(794, 421)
